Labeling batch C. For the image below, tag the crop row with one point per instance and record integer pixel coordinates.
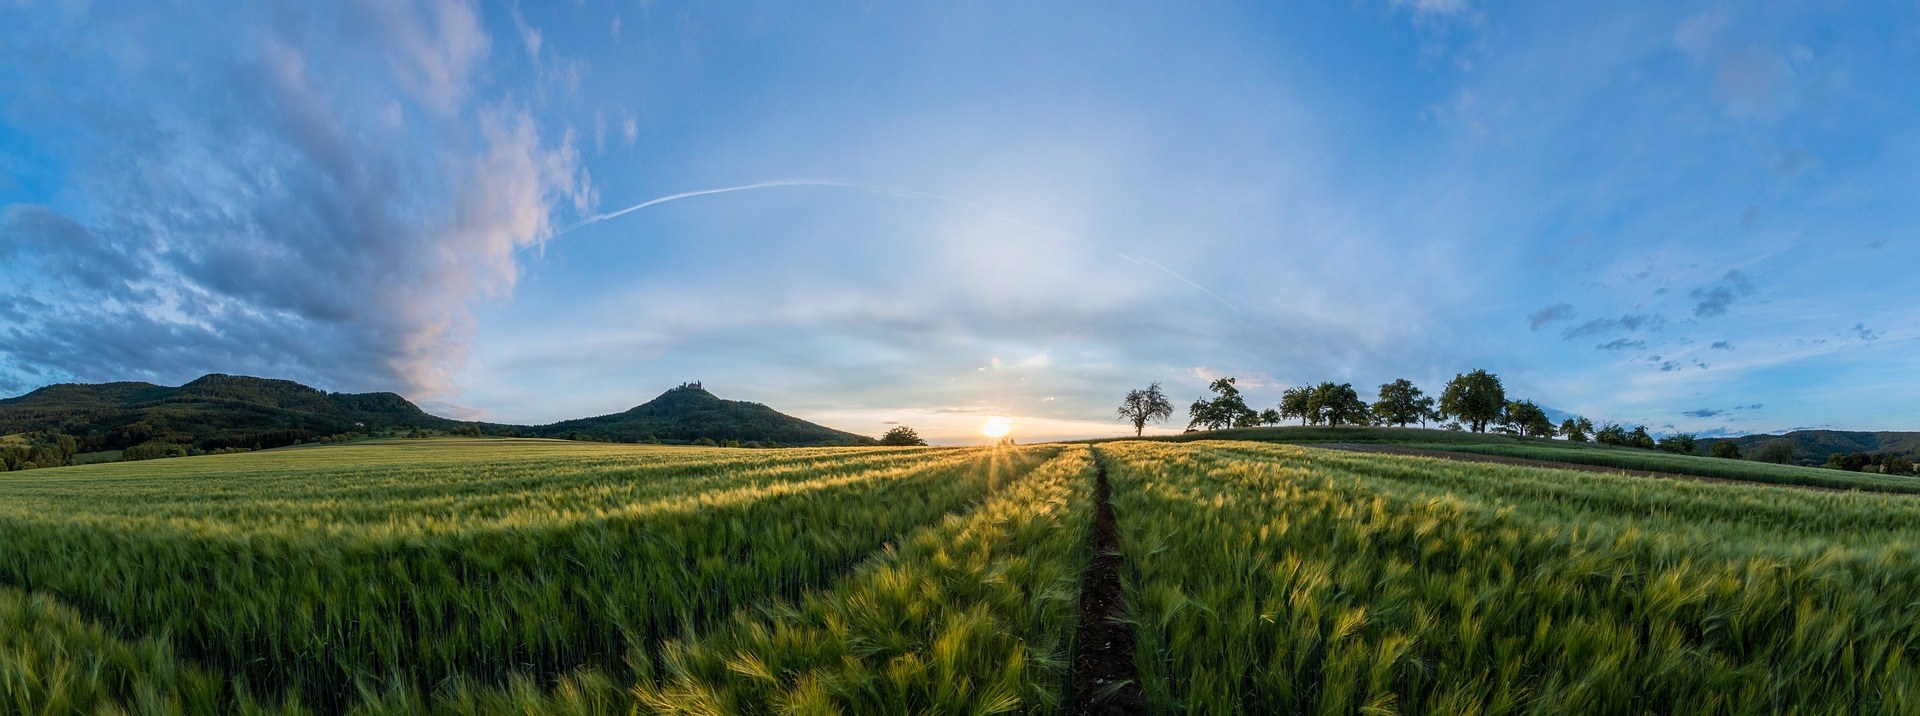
(973, 614)
(1277, 579)
(630, 555)
(1632, 459)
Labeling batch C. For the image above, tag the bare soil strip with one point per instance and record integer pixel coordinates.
(1104, 681)
(1528, 462)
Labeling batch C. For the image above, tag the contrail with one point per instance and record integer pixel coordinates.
(990, 212)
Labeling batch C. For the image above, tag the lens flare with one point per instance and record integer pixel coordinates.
(997, 427)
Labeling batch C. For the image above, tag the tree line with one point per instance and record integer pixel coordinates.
(1476, 401)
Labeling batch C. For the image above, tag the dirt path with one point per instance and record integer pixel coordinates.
(1103, 676)
(1528, 462)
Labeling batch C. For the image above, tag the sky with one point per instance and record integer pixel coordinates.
(1693, 216)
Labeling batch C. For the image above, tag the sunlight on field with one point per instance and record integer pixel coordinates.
(544, 576)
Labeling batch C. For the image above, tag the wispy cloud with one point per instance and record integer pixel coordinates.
(1715, 299)
(1629, 322)
(320, 199)
(1550, 314)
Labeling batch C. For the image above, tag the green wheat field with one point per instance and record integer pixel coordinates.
(474, 576)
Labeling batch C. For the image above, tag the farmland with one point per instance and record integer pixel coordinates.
(531, 576)
(1623, 458)
(1281, 579)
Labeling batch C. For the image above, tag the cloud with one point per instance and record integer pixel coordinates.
(1550, 314)
(1712, 412)
(1622, 344)
(1722, 346)
(1865, 333)
(1629, 322)
(1244, 380)
(322, 199)
(1714, 299)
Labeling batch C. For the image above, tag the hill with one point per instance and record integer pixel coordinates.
(212, 412)
(229, 411)
(1813, 446)
(689, 413)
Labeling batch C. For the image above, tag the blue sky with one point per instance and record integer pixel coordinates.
(1696, 216)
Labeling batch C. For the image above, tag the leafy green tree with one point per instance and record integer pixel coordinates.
(1639, 438)
(1144, 406)
(1294, 403)
(1576, 429)
(1337, 404)
(1528, 419)
(1270, 417)
(1401, 403)
(1611, 434)
(1775, 451)
(1475, 398)
(1898, 465)
(705, 442)
(1851, 462)
(1226, 409)
(1725, 449)
(1680, 444)
(901, 435)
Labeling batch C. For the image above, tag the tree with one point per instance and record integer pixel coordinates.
(1225, 410)
(1725, 449)
(1775, 451)
(1576, 429)
(1336, 405)
(1897, 465)
(1851, 462)
(1680, 443)
(1270, 417)
(1639, 438)
(1145, 406)
(1293, 403)
(901, 436)
(1528, 419)
(1401, 403)
(1475, 398)
(1610, 434)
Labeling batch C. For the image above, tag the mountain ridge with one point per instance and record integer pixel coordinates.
(228, 411)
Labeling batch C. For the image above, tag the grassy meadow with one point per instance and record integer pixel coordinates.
(1624, 458)
(531, 576)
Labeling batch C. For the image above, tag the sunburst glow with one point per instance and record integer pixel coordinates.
(996, 427)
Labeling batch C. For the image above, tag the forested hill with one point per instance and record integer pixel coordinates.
(1816, 445)
(52, 425)
(215, 411)
(689, 412)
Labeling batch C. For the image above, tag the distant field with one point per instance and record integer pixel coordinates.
(534, 576)
(1564, 451)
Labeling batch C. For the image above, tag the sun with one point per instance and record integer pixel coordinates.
(997, 427)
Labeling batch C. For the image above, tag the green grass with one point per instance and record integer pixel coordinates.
(1624, 458)
(1281, 579)
(975, 615)
(532, 576)
(323, 574)
(54, 661)
(1653, 461)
